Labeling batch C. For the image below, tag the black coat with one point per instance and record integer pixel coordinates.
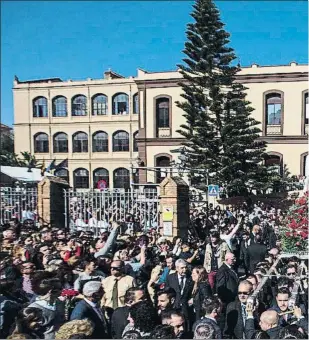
(84, 311)
(256, 253)
(226, 284)
(250, 330)
(119, 321)
(181, 300)
(203, 291)
(234, 324)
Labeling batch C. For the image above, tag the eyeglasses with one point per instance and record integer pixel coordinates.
(243, 293)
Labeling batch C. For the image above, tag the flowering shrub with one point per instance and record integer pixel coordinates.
(294, 232)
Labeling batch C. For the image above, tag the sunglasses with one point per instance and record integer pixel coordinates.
(115, 268)
(31, 267)
(289, 274)
(244, 293)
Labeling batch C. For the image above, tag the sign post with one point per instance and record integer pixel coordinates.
(213, 192)
(102, 184)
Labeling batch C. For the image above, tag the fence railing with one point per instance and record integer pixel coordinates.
(94, 210)
(19, 203)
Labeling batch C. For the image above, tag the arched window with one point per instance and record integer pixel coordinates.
(99, 105)
(121, 104)
(81, 178)
(273, 108)
(79, 105)
(306, 109)
(274, 163)
(135, 103)
(100, 142)
(162, 115)
(135, 147)
(306, 166)
(121, 178)
(80, 142)
(162, 162)
(100, 174)
(41, 143)
(121, 141)
(62, 173)
(40, 108)
(61, 143)
(60, 107)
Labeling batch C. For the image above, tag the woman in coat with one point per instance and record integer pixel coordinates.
(201, 290)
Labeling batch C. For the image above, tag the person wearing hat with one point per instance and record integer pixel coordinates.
(215, 253)
(89, 308)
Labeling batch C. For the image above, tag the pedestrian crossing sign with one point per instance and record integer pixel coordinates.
(213, 190)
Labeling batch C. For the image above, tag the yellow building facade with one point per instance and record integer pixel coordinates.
(106, 126)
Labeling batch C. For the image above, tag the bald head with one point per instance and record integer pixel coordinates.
(269, 319)
(230, 259)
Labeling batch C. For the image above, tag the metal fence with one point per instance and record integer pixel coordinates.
(20, 203)
(94, 210)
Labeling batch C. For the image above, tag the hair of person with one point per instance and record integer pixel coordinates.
(291, 332)
(145, 316)
(170, 292)
(27, 319)
(284, 281)
(73, 328)
(246, 283)
(252, 276)
(283, 290)
(210, 304)
(204, 331)
(180, 262)
(202, 274)
(43, 282)
(130, 294)
(132, 334)
(163, 332)
(168, 314)
(289, 266)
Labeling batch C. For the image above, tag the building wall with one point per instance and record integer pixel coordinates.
(291, 142)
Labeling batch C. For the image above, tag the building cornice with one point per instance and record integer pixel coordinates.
(241, 78)
(268, 139)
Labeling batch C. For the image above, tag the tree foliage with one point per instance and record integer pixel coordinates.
(221, 135)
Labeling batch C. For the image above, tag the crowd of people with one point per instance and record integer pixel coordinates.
(129, 284)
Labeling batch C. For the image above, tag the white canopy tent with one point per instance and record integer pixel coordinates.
(21, 174)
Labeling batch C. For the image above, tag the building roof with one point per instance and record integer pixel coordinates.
(22, 174)
(5, 127)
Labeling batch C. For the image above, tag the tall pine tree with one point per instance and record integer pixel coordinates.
(221, 136)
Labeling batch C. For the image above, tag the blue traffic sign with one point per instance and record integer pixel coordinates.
(213, 190)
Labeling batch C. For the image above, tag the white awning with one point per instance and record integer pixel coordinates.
(22, 174)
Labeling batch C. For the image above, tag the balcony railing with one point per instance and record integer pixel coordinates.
(273, 130)
(307, 129)
(164, 132)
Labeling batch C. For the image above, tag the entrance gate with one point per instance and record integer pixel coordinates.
(93, 210)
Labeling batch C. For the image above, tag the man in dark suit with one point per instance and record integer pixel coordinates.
(227, 280)
(183, 286)
(89, 308)
(119, 318)
(256, 252)
(269, 324)
(212, 307)
(236, 314)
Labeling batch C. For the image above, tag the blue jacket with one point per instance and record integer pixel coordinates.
(84, 311)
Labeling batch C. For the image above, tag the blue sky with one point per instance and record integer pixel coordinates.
(77, 39)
